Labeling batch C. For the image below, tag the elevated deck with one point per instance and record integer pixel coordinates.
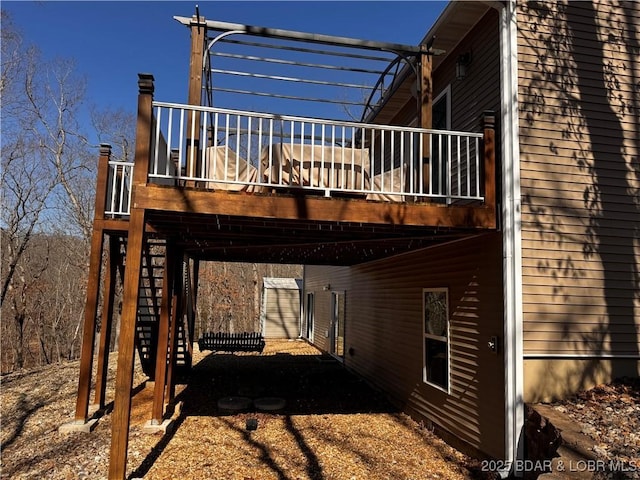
(213, 182)
(276, 188)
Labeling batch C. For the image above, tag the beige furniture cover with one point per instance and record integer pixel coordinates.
(390, 181)
(315, 166)
(222, 163)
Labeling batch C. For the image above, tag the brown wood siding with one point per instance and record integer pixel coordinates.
(384, 331)
(282, 313)
(579, 134)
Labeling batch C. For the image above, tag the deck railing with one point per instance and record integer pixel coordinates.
(118, 193)
(262, 151)
(257, 152)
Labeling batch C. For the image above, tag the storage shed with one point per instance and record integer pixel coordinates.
(280, 315)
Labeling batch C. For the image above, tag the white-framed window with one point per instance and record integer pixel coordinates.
(435, 311)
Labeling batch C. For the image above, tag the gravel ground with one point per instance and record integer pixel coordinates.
(353, 434)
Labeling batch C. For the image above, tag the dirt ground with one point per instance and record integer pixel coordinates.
(333, 426)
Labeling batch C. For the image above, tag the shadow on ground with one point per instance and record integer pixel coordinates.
(310, 384)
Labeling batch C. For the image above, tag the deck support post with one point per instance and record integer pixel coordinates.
(163, 337)
(114, 259)
(425, 100)
(126, 347)
(198, 28)
(93, 286)
(489, 124)
(177, 314)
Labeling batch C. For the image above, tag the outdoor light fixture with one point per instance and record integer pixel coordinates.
(327, 287)
(461, 65)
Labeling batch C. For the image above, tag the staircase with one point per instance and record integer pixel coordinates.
(148, 319)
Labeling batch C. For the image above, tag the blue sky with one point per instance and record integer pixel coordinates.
(112, 41)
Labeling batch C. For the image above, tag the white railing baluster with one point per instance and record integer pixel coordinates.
(237, 164)
(468, 192)
(322, 144)
(449, 166)
(114, 182)
(169, 137)
(292, 143)
(259, 144)
(156, 137)
(342, 170)
(386, 150)
(477, 175)
(372, 154)
(192, 144)
(458, 165)
(270, 156)
(313, 153)
(204, 141)
(301, 143)
(362, 177)
(123, 185)
(353, 160)
(249, 137)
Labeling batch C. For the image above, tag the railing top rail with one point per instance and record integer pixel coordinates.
(120, 162)
(291, 118)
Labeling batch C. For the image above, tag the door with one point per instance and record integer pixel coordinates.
(309, 317)
(337, 328)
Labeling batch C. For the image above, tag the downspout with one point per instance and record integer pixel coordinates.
(512, 242)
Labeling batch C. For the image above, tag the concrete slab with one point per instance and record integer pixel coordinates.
(78, 426)
(164, 427)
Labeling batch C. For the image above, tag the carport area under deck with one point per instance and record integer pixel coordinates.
(333, 424)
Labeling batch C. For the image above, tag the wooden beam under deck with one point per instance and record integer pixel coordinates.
(310, 208)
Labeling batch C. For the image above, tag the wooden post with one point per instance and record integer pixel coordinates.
(426, 115)
(196, 64)
(124, 375)
(111, 271)
(177, 314)
(93, 286)
(163, 336)
(489, 121)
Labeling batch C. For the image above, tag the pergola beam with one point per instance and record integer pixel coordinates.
(309, 37)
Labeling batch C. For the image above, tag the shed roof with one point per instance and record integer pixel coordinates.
(283, 283)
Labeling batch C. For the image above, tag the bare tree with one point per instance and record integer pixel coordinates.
(229, 294)
(117, 128)
(48, 175)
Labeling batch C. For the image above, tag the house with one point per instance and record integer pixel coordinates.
(462, 332)
(280, 313)
(470, 245)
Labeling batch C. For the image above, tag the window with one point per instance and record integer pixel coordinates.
(436, 337)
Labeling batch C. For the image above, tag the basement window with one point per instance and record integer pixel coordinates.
(436, 337)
